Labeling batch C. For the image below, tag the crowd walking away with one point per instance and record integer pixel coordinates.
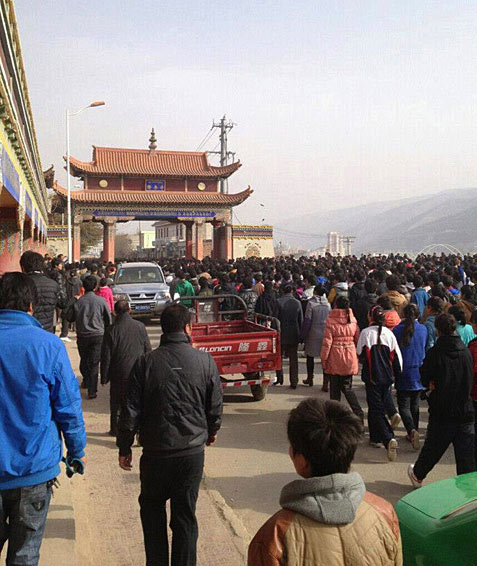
(373, 316)
(406, 327)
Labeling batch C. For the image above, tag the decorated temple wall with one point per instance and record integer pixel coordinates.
(22, 226)
(9, 246)
(56, 247)
(57, 240)
(23, 222)
(14, 181)
(252, 241)
(248, 247)
(12, 246)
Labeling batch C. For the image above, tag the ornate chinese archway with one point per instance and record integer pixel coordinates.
(133, 184)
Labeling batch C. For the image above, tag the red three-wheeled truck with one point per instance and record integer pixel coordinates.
(245, 346)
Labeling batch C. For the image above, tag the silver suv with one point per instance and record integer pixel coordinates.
(144, 286)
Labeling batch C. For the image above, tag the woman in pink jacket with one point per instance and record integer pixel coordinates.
(338, 353)
(104, 291)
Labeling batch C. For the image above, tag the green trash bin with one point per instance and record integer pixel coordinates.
(438, 523)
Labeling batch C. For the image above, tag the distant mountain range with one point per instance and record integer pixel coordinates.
(448, 217)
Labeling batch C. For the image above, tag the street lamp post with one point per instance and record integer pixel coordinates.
(69, 114)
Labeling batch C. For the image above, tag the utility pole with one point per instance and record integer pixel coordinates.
(347, 242)
(224, 125)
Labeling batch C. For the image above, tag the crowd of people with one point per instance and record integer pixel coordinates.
(395, 316)
(405, 323)
(383, 313)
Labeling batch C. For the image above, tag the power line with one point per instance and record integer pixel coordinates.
(236, 217)
(301, 234)
(205, 140)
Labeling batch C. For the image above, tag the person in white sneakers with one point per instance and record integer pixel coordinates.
(382, 361)
(412, 339)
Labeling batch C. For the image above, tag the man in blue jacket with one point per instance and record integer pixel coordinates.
(420, 296)
(40, 403)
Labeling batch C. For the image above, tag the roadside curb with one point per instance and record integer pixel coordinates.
(240, 535)
(59, 540)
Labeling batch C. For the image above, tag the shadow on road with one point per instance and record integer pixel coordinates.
(391, 491)
(60, 528)
(260, 493)
(240, 398)
(108, 442)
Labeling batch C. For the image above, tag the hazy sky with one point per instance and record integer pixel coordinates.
(336, 103)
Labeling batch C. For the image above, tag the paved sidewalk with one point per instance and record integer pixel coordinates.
(106, 528)
(59, 540)
(58, 545)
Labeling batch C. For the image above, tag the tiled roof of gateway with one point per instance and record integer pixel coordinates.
(112, 160)
(155, 197)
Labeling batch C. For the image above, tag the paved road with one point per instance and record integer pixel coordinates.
(250, 463)
(245, 472)
(107, 527)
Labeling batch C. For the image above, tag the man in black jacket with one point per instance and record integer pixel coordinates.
(73, 287)
(357, 291)
(225, 287)
(174, 400)
(123, 343)
(290, 315)
(49, 296)
(448, 373)
(364, 303)
(57, 273)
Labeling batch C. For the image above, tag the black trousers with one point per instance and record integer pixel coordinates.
(65, 325)
(115, 400)
(291, 352)
(439, 437)
(379, 428)
(408, 403)
(475, 436)
(389, 404)
(177, 479)
(343, 384)
(310, 366)
(90, 356)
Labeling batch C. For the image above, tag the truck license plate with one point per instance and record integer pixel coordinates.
(143, 308)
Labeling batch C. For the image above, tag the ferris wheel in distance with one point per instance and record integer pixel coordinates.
(445, 247)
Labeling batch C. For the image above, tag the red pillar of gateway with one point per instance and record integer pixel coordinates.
(76, 241)
(216, 242)
(189, 243)
(109, 234)
(228, 242)
(199, 240)
(223, 242)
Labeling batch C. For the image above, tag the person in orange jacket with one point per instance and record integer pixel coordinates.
(327, 516)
